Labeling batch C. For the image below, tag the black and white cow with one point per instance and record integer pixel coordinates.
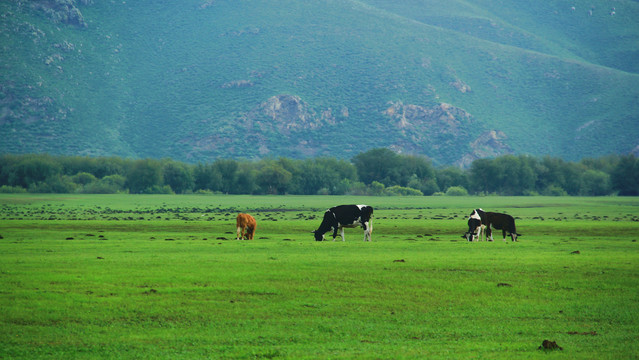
(475, 226)
(350, 216)
(503, 222)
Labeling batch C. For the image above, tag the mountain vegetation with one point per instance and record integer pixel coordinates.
(200, 80)
(375, 172)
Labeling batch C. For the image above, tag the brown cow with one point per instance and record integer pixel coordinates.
(245, 222)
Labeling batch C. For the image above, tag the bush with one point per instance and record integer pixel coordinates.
(403, 191)
(554, 190)
(376, 188)
(358, 188)
(203, 192)
(54, 185)
(157, 189)
(6, 189)
(456, 191)
(83, 178)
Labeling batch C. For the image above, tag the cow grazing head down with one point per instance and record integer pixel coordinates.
(339, 217)
(474, 230)
(245, 223)
(479, 219)
(475, 226)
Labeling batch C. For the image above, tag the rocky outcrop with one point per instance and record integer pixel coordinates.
(442, 118)
(16, 106)
(487, 145)
(62, 11)
(288, 113)
(237, 84)
(435, 131)
(442, 130)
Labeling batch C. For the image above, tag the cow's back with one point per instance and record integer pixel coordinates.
(349, 214)
(244, 220)
(501, 221)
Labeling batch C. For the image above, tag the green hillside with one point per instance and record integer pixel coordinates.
(199, 80)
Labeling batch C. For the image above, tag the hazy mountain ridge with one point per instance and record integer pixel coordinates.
(249, 79)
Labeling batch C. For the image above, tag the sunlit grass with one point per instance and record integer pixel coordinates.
(152, 287)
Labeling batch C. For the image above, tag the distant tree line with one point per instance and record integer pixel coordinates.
(375, 172)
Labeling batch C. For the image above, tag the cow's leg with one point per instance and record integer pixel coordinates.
(503, 233)
(238, 233)
(368, 231)
(489, 232)
(335, 229)
(342, 233)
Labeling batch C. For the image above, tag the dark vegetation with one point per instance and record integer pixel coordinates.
(375, 172)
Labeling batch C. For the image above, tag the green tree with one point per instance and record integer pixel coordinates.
(110, 184)
(228, 174)
(387, 167)
(207, 177)
(515, 175)
(625, 176)
(311, 178)
(106, 166)
(326, 174)
(274, 179)
(595, 183)
(32, 170)
(144, 175)
(451, 176)
(56, 184)
(377, 165)
(83, 178)
(246, 182)
(178, 176)
(483, 175)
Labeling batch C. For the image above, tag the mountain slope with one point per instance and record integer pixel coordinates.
(199, 80)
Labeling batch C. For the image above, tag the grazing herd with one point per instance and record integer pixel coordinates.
(349, 216)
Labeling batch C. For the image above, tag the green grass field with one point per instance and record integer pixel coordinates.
(125, 276)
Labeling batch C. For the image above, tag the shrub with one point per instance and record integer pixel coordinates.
(403, 191)
(157, 189)
(6, 189)
(554, 190)
(456, 191)
(83, 178)
(376, 188)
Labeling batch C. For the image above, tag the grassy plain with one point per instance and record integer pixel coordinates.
(126, 276)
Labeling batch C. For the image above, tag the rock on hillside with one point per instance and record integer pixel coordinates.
(438, 130)
(62, 11)
(488, 144)
(288, 113)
